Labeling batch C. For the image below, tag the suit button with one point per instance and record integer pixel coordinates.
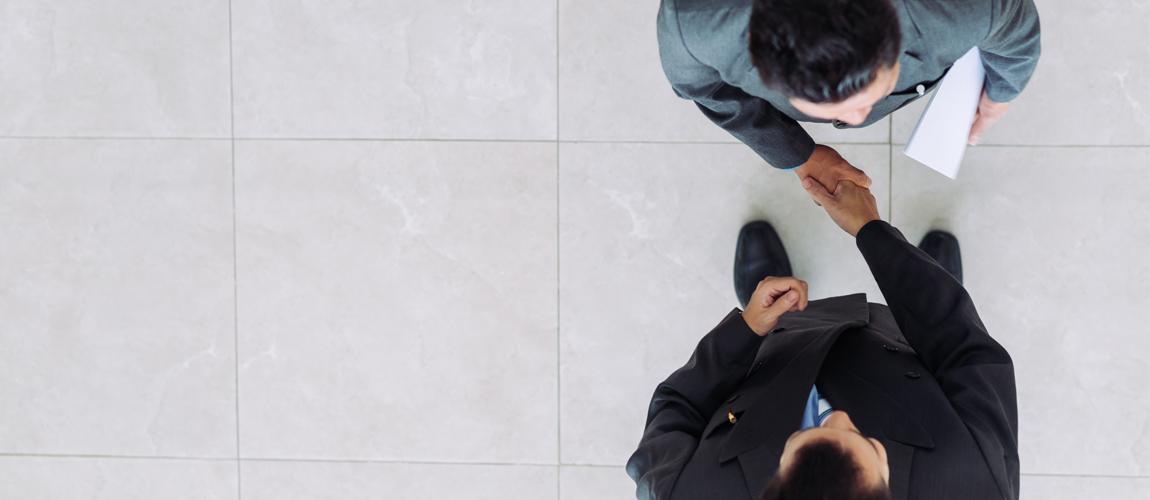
(913, 375)
(890, 348)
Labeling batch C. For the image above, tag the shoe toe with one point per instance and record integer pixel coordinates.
(759, 254)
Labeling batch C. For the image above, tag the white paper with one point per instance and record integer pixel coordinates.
(939, 139)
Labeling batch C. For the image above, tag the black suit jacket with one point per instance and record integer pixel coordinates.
(703, 47)
(922, 376)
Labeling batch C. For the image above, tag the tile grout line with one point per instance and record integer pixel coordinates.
(528, 141)
(235, 260)
(558, 327)
(424, 462)
(118, 457)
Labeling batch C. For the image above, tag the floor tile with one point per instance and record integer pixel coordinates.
(612, 86)
(120, 68)
(397, 300)
(647, 242)
(481, 69)
(1078, 95)
(265, 480)
(66, 478)
(117, 310)
(595, 483)
(1078, 487)
(1054, 244)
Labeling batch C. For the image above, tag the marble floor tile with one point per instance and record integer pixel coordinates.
(647, 243)
(1092, 84)
(612, 86)
(119, 68)
(595, 483)
(1054, 245)
(69, 478)
(288, 480)
(117, 309)
(397, 300)
(1079, 487)
(481, 69)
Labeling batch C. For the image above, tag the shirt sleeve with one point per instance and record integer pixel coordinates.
(938, 319)
(1011, 49)
(683, 404)
(776, 137)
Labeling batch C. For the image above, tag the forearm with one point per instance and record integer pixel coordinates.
(683, 403)
(933, 310)
(775, 137)
(716, 368)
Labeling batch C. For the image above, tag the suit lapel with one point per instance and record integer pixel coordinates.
(790, 358)
(874, 412)
(792, 362)
(879, 416)
(899, 457)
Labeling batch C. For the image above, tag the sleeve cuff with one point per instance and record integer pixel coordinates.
(868, 231)
(874, 231)
(736, 331)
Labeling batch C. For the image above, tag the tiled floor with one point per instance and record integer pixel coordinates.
(446, 249)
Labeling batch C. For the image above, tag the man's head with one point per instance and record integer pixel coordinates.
(832, 461)
(833, 59)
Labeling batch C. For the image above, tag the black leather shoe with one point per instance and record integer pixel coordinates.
(943, 248)
(759, 254)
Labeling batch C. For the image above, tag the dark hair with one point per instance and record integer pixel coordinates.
(822, 470)
(822, 51)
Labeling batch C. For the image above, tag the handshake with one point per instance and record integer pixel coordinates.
(840, 188)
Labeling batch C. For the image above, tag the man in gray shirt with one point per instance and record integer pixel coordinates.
(757, 67)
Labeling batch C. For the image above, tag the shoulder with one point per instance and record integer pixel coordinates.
(707, 26)
(959, 19)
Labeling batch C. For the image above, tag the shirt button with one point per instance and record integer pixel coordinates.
(912, 375)
(921, 89)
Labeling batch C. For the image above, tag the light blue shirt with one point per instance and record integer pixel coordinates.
(817, 410)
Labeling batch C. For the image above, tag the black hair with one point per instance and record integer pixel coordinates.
(822, 51)
(823, 470)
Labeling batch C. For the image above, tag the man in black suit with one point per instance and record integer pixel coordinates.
(838, 397)
(757, 67)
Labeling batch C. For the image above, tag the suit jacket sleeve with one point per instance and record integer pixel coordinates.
(1011, 49)
(939, 320)
(683, 404)
(776, 137)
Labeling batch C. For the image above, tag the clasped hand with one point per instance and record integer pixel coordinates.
(840, 188)
(850, 205)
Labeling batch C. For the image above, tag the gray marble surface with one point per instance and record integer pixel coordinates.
(354, 249)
